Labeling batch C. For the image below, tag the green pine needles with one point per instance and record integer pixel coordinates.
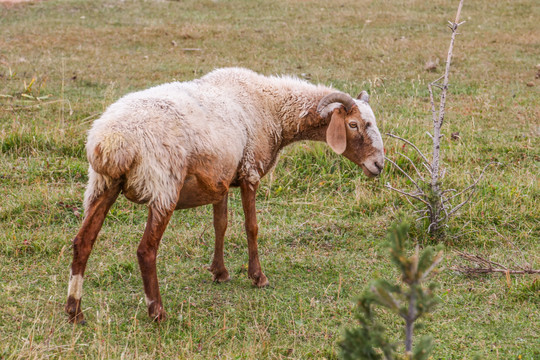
(369, 341)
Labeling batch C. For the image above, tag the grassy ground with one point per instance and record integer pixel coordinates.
(322, 223)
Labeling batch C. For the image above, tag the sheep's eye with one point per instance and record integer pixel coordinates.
(353, 125)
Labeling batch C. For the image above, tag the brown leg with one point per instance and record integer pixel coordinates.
(146, 254)
(255, 273)
(220, 226)
(82, 246)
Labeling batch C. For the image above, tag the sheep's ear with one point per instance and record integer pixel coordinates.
(364, 96)
(336, 135)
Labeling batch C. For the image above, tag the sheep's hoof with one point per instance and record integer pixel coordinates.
(159, 317)
(222, 277)
(157, 313)
(260, 280)
(73, 309)
(219, 275)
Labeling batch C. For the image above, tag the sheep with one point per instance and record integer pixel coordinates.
(185, 144)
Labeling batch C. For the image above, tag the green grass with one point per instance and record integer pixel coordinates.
(322, 223)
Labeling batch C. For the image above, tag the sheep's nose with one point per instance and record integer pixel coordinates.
(379, 166)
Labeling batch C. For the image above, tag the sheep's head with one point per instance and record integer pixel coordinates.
(353, 130)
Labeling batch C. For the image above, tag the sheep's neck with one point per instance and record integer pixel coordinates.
(310, 127)
(307, 127)
(292, 122)
(296, 112)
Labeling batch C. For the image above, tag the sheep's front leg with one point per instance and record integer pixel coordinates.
(220, 226)
(249, 192)
(147, 254)
(82, 246)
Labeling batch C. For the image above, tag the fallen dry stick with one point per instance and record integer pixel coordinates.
(487, 266)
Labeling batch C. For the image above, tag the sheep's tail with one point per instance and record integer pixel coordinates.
(111, 154)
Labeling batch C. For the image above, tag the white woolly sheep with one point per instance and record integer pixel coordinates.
(182, 145)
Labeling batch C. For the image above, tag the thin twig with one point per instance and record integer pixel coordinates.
(474, 183)
(448, 190)
(414, 146)
(418, 172)
(408, 194)
(427, 167)
(436, 81)
(459, 206)
(473, 186)
(410, 203)
(447, 215)
(407, 175)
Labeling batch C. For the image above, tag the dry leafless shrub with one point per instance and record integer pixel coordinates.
(437, 204)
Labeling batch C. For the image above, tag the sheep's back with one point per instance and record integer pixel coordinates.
(154, 137)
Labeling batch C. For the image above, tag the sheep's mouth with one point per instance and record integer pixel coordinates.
(369, 173)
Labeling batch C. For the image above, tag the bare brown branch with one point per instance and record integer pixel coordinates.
(487, 266)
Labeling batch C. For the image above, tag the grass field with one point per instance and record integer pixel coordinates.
(322, 222)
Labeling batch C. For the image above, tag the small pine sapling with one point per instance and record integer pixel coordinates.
(369, 341)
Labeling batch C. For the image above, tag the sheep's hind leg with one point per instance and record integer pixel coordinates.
(255, 273)
(220, 226)
(147, 254)
(82, 246)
